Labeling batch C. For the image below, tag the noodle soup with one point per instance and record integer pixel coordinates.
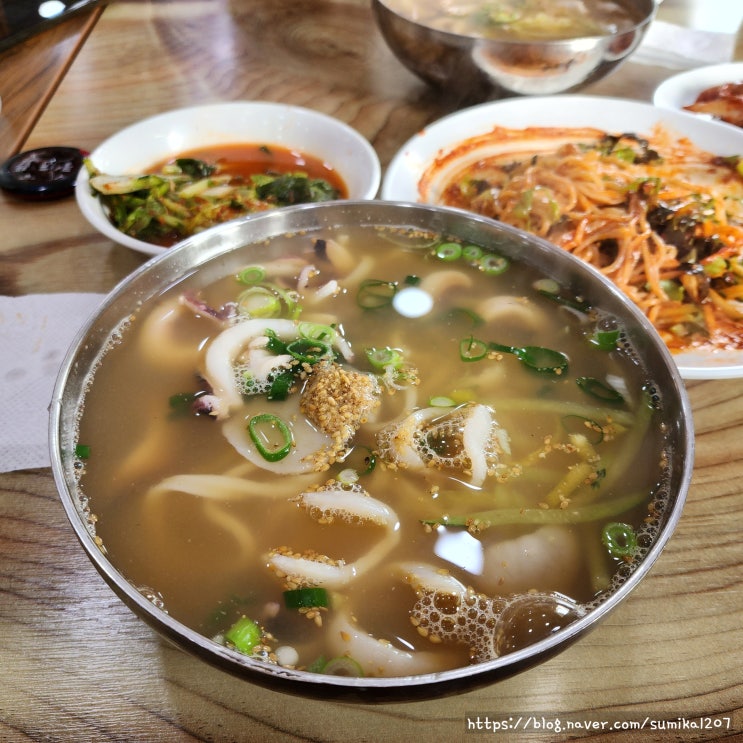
(373, 451)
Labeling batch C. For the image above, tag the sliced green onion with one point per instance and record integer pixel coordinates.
(82, 451)
(244, 635)
(472, 253)
(306, 598)
(375, 293)
(308, 351)
(471, 349)
(620, 539)
(343, 666)
(412, 280)
(252, 275)
(381, 358)
(448, 251)
(315, 331)
(281, 386)
(493, 264)
(598, 389)
(271, 436)
(259, 301)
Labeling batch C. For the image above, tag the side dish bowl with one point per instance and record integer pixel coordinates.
(154, 140)
(475, 68)
(679, 91)
(221, 252)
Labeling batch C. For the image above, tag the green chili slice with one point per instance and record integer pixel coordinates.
(620, 539)
(244, 635)
(374, 294)
(448, 251)
(543, 360)
(598, 389)
(305, 598)
(472, 349)
(605, 340)
(271, 436)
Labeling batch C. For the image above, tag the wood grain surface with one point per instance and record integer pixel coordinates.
(77, 665)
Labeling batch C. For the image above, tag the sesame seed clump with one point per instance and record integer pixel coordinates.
(338, 401)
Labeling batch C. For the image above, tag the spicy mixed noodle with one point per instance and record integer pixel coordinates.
(660, 217)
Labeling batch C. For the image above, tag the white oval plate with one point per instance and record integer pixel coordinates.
(141, 145)
(682, 89)
(612, 114)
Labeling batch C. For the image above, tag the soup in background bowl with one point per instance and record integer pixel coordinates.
(370, 447)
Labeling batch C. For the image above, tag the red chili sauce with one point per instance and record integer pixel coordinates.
(249, 159)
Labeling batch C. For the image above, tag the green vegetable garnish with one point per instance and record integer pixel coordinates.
(271, 436)
(448, 251)
(305, 598)
(543, 360)
(244, 635)
(82, 451)
(375, 293)
(620, 539)
(598, 389)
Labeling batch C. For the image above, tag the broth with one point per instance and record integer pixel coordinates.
(519, 19)
(473, 429)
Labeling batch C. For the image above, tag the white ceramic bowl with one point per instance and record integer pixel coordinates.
(682, 89)
(141, 145)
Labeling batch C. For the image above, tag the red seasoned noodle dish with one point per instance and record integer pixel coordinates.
(660, 217)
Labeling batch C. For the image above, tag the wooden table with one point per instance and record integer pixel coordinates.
(76, 665)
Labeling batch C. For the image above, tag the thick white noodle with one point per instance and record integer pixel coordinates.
(349, 505)
(379, 657)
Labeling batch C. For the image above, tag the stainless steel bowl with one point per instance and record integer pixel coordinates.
(474, 68)
(224, 249)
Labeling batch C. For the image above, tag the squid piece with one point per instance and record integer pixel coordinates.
(224, 351)
(439, 283)
(353, 505)
(472, 439)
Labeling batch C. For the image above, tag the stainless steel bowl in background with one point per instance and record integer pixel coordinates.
(473, 68)
(223, 250)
